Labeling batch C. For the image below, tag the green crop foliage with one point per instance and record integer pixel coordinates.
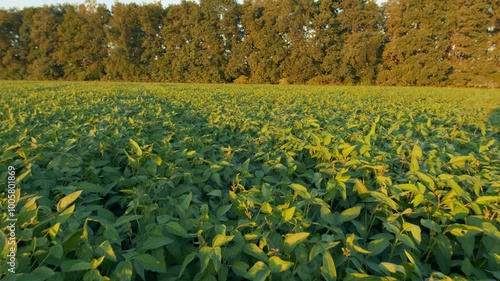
(124, 181)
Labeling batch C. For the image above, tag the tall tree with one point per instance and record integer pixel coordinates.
(125, 35)
(473, 44)
(219, 33)
(12, 53)
(182, 42)
(82, 47)
(296, 22)
(151, 20)
(361, 24)
(265, 39)
(41, 25)
(418, 40)
(329, 33)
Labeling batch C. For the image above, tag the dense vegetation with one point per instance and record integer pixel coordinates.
(405, 42)
(224, 182)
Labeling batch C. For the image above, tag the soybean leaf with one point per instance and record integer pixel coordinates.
(328, 270)
(177, 229)
(255, 251)
(67, 200)
(292, 240)
(276, 264)
(350, 214)
(149, 262)
(300, 190)
(75, 265)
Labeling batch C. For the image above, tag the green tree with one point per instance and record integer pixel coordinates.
(82, 47)
(473, 44)
(416, 53)
(151, 20)
(12, 53)
(303, 50)
(41, 24)
(268, 44)
(125, 44)
(182, 38)
(361, 24)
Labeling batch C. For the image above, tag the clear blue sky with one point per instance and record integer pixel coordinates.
(7, 4)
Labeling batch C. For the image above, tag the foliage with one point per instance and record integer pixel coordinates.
(340, 42)
(220, 182)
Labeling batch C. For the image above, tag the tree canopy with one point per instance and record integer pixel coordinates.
(402, 42)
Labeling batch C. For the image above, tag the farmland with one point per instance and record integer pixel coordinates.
(122, 181)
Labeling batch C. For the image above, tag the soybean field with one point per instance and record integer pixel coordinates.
(131, 181)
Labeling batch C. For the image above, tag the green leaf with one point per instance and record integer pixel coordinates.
(443, 252)
(216, 257)
(216, 178)
(241, 269)
(255, 251)
(428, 180)
(106, 250)
(276, 264)
(320, 247)
(186, 202)
(405, 239)
(223, 210)
(3, 241)
(328, 270)
(382, 198)
(292, 240)
(300, 190)
(156, 242)
(379, 245)
(259, 271)
(149, 262)
(64, 215)
(41, 273)
(92, 187)
(414, 230)
(187, 260)
(124, 270)
(56, 251)
(75, 265)
(460, 160)
(408, 187)
(467, 267)
(431, 225)
(67, 200)
(112, 235)
(72, 241)
(488, 199)
(125, 219)
(350, 214)
(346, 151)
(177, 229)
(220, 240)
(392, 268)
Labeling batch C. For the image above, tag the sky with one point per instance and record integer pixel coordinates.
(7, 4)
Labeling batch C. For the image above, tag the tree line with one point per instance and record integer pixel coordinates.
(402, 42)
